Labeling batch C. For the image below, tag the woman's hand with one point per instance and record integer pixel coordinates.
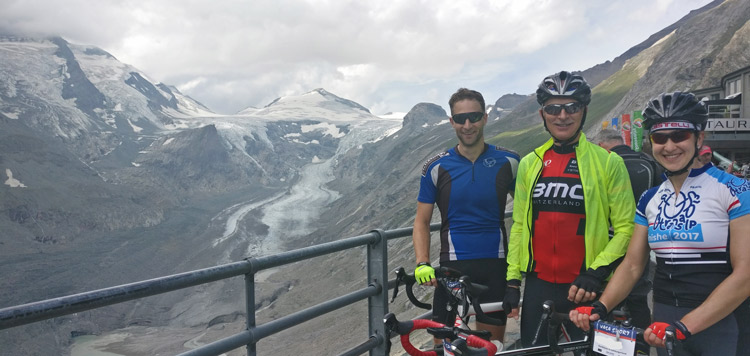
(583, 316)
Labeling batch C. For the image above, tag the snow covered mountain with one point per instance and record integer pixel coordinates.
(112, 116)
(109, 177)
(84, 89)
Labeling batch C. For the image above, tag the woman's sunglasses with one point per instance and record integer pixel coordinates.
(471, 116)
(676, 136)
(556, 109)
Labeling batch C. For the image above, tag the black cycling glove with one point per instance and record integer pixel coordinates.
(600, 309)
(512, 295)
(595, 308)
(678, 328)
(592, 279)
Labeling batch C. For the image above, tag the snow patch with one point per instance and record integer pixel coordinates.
(313, 142)
(393, 116)
(136, 129)
(187, 109)
(12, 182)
(11, 115)
(661, 40)
(235, 133)
(327, 128)
(108, 118)
(388, 133)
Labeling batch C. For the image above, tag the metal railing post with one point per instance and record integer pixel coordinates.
(377, 274)
(250, 306)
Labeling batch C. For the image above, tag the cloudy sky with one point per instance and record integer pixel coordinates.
(387, 55)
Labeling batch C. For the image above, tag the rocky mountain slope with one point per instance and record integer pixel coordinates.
(112, 179)
(693, 53)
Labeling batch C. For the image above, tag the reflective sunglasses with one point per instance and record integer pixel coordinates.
(556, 109)
(676, 136)
(471, 116)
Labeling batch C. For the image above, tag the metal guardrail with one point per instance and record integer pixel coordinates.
(376, 293)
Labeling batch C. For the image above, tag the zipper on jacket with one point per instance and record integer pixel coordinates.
(530, 216)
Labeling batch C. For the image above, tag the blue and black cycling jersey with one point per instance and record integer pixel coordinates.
(471, 197)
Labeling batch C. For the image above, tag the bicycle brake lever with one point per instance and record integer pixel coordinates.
(400, 273)
(547, 309)
(395, 293)
(669, 338)
(408, 281)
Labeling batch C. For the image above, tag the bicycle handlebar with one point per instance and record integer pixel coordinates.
(482, 346)
(470, 292)
(554, 320)
(669, 340)
(469, 344)
(446, 276)
(618, 315)
(409, 281)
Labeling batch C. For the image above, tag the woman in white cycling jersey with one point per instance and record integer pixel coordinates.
(697, 222)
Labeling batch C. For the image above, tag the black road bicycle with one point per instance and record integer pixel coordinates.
(611, 337)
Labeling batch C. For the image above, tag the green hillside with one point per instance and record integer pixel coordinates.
(605, 96)
(522, 141)
(608, 94)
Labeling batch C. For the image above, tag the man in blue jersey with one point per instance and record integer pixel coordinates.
(470, 184)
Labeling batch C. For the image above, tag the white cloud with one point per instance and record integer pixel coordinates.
(386, 55)
(191, 84)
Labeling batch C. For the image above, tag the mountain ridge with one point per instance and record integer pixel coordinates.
(681, 63)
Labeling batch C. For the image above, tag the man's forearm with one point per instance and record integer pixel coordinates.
(421, 240)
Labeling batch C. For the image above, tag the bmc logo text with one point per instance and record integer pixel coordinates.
(558, 190)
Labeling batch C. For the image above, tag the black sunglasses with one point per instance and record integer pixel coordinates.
(556, 109)
(471, 116)
(676, 136)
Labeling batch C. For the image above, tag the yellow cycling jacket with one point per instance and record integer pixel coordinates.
(608, 197)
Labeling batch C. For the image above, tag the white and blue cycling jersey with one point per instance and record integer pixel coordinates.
(471, 198)
(689, 233)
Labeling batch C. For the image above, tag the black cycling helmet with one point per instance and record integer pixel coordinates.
(676, 110)
(675, 107)
(568, 85)
(564, 84)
